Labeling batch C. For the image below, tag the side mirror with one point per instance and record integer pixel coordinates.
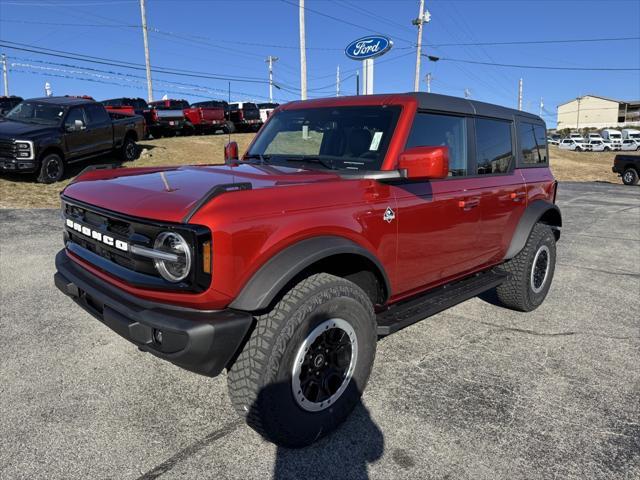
(231, 152)
(425, 162)
(76, 126)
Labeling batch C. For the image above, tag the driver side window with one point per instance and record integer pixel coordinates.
(435, 130)
(75, 114)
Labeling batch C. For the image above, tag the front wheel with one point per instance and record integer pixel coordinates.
(630, 176)
(531, 271)
(51, 169)
(307, 361)
(129, 150)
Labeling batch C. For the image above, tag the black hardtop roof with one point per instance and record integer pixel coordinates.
(446, 103)
(66, 101)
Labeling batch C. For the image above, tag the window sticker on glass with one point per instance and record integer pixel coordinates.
(375, 141)
(305, 132)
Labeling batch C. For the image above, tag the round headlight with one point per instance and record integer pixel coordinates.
(173, 271)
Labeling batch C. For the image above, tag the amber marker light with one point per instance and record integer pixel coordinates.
(206, 257)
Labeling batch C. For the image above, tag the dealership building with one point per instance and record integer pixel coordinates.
(598, 112)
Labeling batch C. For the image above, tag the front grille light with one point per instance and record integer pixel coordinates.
(25, 149)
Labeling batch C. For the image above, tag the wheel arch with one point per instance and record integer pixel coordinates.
(329, 254)
(537, 211)
(49, 150)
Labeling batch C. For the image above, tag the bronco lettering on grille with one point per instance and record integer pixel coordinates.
(106, 239)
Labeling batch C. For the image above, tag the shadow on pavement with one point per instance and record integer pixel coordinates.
(343, 454)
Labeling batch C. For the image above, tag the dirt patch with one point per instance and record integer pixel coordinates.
(21, 191)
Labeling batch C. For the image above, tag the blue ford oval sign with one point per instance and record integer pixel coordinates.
(368, 47)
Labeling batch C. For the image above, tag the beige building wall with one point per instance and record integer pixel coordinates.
(588, 112)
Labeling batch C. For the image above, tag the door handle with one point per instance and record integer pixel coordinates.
(469, 204)
(517, 196)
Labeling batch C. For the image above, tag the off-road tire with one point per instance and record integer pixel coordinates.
(51, 169)
(260, 380)
(630, 176)
(518, 293)
(129, 150)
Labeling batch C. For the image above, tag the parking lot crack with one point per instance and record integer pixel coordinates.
(189, 451)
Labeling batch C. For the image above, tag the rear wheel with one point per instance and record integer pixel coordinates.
(307, 361)
(531, 271)
(51, 169)
(630, 176)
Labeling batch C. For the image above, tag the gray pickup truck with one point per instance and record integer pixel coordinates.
(44, 135)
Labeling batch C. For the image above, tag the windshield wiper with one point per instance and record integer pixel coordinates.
(256, 156)
(311, 159)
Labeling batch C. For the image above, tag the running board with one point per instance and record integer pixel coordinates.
(410, 311)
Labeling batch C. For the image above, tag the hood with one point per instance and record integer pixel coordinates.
(169, 194)
(17, 130)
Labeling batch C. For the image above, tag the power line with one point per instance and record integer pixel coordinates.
(535, 42)
(537, 67)
(123, 64)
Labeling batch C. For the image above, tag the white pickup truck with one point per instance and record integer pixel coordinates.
(631, 145)
(575, 145)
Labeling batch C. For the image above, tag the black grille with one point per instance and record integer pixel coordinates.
(7, 149)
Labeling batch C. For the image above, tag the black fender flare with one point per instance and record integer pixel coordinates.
(532, 214)
(279, 270)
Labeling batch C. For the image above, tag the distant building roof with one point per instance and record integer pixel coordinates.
(615, 100)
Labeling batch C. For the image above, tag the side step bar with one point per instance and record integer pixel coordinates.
(410, 311)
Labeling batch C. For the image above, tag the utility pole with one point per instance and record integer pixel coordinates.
(423, 17)
(303, 56)
(520, 95)
(338, 81)
(541, 106)
(578, 116)
(5, 75)
(428, 79)
(270, 59)
(147, 61)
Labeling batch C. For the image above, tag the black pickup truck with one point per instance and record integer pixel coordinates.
(628, 167)
(44, 135)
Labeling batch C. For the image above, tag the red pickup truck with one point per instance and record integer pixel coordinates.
(168, 118)
(208, 118)
(347, 219)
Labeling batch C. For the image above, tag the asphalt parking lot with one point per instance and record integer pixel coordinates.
(475, 392)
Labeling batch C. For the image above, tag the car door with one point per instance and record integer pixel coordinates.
(75, 136)
(504, 193)
(99, 128)
(437, 219)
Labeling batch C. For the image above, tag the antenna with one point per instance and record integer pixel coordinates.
(229, 110)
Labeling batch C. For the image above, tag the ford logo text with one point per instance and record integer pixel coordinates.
(368, 47)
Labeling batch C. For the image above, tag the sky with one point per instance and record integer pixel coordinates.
(232, 38)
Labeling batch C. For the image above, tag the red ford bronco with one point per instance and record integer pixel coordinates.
(347, 219)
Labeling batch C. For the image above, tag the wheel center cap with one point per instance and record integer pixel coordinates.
(318, 361)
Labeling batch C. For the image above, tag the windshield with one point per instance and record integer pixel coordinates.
(352, 138)
(38, 113)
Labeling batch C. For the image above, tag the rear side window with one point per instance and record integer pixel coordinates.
(434, 130)
(533, 145)
(96, 114)
(494, 149)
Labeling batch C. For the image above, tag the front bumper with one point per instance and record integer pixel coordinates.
(202, 341)
(17, 165)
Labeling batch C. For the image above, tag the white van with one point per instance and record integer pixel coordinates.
(593, 136)
(577, 137)
(614, 135)
(630, 133)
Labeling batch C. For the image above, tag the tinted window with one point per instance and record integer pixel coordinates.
(96, 114)
(533, 144)
(494, 151)
(433, 130)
